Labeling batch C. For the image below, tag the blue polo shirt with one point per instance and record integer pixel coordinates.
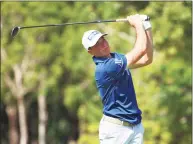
(115, 85)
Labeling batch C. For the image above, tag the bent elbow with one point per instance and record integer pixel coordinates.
(149, 61)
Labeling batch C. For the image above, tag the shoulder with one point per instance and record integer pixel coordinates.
(116, 65)
(118, 60)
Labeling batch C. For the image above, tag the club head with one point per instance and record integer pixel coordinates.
(15, 31)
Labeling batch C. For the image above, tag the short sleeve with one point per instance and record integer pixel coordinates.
(115, 67)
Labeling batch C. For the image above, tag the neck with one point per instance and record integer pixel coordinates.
(109, 56)
(105, 56)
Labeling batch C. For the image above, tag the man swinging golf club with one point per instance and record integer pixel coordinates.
(121, 121)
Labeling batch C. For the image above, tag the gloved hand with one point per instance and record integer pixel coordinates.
(145, 18)
(146, 21)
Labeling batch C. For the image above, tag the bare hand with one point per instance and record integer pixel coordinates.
(134, 20)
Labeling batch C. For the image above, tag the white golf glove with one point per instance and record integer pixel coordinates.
(146, 22)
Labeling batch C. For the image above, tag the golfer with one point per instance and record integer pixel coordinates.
(121, 120)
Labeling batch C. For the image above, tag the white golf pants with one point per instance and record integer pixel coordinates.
(110, 133)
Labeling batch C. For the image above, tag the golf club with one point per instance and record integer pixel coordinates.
(15, 30)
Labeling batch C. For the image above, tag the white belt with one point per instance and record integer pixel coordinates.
(117, 121)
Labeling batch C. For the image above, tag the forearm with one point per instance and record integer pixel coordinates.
(139, 48)
(148, 56)
(149, 45)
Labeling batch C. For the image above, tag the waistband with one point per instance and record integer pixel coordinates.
(117, 121)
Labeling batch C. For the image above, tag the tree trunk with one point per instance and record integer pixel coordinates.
(42, 119)
(22, 121)
(13, 131)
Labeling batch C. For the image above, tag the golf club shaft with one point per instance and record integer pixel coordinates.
(15, 30)
(75, 23)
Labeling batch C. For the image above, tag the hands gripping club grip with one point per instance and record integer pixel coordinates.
(143, 18)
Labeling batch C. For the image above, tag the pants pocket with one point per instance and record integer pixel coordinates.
(110, 133)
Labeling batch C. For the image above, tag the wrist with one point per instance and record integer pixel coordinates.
(138, 25)
(139, 28)
(146, 25)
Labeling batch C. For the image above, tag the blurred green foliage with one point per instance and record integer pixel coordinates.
(74, 107)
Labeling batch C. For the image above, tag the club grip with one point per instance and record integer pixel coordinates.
(143, 18)
(121, 20)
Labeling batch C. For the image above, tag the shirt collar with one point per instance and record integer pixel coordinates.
(101, 59)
